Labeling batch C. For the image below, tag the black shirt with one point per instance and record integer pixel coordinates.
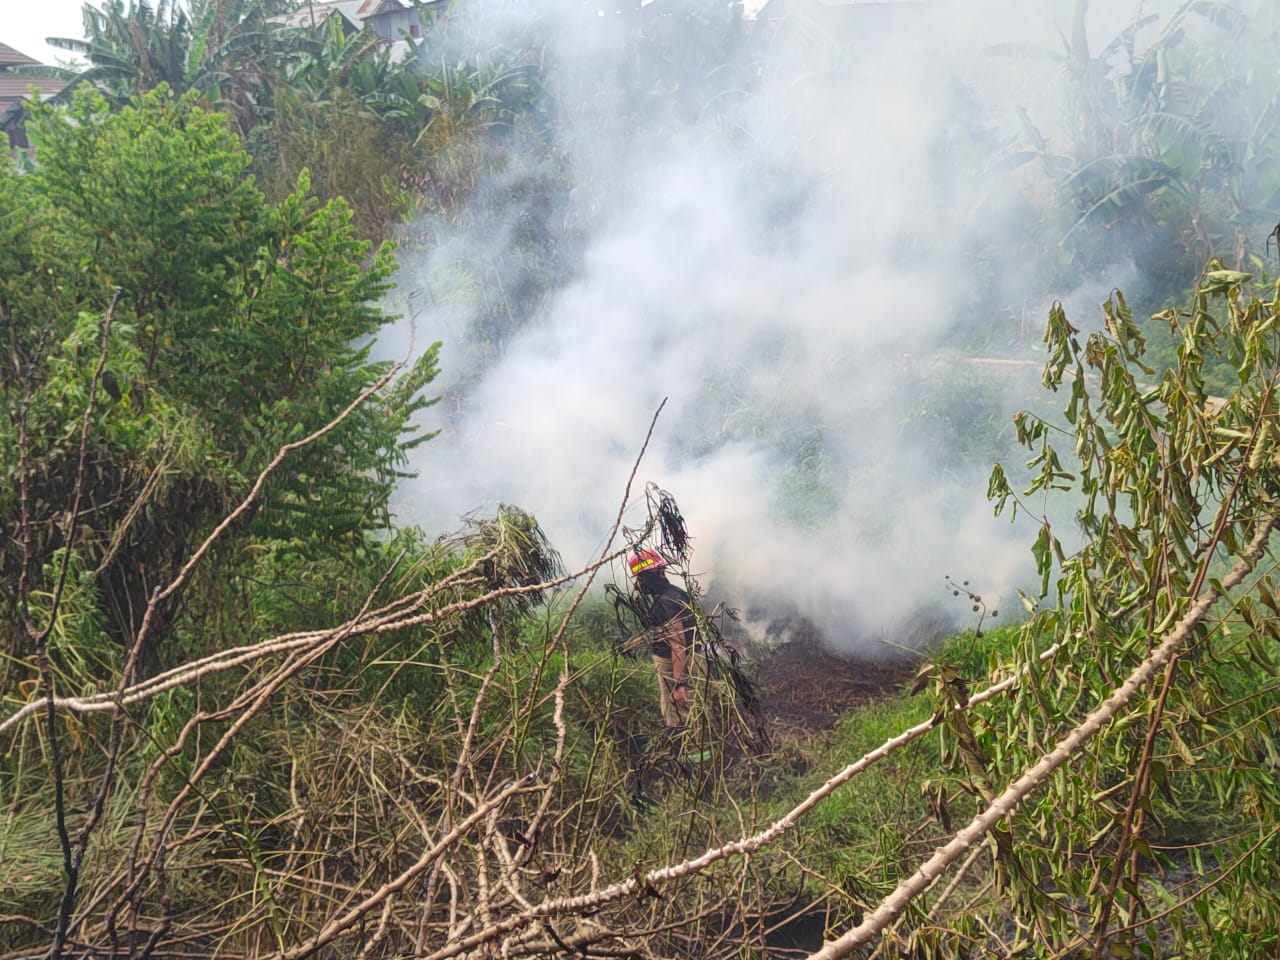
(666, 604)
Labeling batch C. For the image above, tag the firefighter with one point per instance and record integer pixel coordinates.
(669, 620)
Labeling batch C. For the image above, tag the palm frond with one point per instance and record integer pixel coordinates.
(1111, 188)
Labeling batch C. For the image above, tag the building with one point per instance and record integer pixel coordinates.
(15, 89)
(389, 19)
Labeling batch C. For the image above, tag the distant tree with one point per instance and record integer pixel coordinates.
(1166, 154)
(347, 150)
(398, 136)
(327, 62)
(228, 50)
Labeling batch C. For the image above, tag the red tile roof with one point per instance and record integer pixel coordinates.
(10, 57)
(14, 86)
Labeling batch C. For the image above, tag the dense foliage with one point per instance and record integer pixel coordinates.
(166, 331)
(1178, 489)
(1123, 794)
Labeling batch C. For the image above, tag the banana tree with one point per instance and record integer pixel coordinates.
(130, 48)
(326, 65)
(228, 50)
(469, 96)
(1148, 151)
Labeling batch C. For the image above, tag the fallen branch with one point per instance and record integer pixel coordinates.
(630, 887)
(429, 856)
(376, 622)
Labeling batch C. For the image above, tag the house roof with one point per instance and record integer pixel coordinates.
(10, 57)
(16, 87)
(375, 7)
(371, 8)
(317, 14)
(355, 11)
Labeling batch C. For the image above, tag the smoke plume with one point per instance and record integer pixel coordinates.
(807, 267)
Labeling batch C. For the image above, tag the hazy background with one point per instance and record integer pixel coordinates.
(25, 25)
(803, 268)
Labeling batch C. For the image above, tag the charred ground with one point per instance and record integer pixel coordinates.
(805, 686)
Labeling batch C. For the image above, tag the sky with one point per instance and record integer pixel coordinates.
(24, 25)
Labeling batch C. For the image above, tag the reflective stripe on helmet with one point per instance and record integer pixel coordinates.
(646, 560)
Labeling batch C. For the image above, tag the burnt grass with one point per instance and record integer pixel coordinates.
(805, 688)
(802, 688)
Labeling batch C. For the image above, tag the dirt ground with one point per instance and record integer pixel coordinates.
(804, 687)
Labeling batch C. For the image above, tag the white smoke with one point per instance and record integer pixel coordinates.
(793, 288)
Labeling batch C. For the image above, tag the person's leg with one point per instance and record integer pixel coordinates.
(671, 713)
(696, 678)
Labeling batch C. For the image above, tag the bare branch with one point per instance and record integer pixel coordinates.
(654, 878)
